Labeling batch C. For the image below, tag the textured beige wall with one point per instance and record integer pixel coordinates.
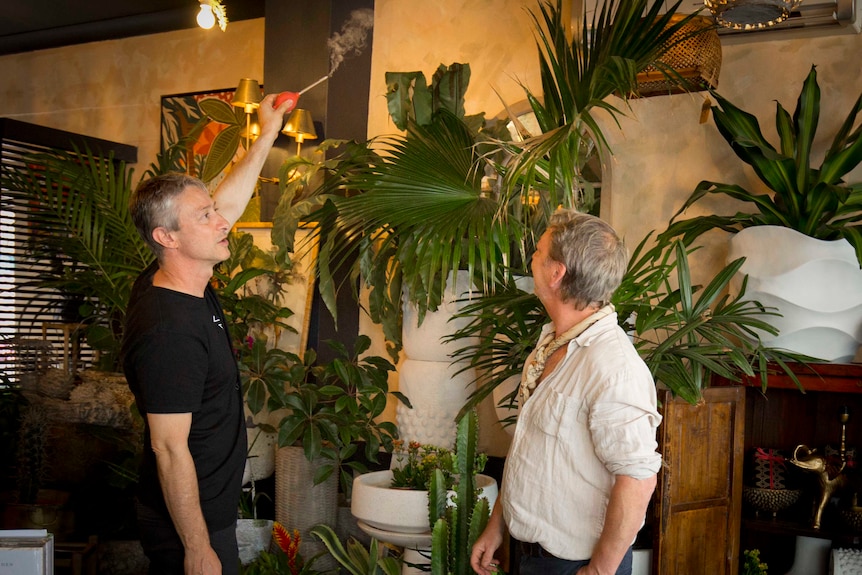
(662, 151)
(112, 89)
(493, 36)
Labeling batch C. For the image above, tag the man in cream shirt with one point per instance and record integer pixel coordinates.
(583, 462)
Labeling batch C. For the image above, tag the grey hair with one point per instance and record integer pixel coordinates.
(153, 205)
(595, 257)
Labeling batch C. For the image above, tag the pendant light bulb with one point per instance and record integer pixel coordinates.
(206, 18)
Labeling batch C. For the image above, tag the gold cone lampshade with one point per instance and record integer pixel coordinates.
(300, 126)
(247, 95)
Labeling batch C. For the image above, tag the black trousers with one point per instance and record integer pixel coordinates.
(164, 549)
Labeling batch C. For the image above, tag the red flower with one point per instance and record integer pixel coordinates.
(289, 543)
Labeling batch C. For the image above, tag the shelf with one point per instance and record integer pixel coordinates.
(784, 417)
(829, 377)
(840, 535)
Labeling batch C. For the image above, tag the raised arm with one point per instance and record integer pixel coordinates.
(234, 192)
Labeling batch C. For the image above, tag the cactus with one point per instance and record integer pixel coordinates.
(458, 524)
(32, 457)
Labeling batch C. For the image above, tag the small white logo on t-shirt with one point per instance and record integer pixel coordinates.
(217, 321)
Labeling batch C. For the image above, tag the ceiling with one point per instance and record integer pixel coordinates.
(27, 25)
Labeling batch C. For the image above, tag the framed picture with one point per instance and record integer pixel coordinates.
(298, 293)
(213, 144)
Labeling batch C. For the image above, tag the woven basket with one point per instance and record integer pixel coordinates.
(770, 500)
(697, 59)
(299, 504)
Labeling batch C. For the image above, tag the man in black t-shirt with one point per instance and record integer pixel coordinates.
(179, 363)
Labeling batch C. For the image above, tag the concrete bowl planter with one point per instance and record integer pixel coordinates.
(375, 503)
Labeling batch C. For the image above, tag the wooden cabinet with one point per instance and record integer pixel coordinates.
(699, 493)
(784, 417)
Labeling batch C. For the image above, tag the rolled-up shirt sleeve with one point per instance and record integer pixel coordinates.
(623, 426)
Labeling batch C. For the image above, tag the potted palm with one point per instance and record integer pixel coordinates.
(804, 228)
(454, 200)
(81, 200)
(453, 179)
(684, 332)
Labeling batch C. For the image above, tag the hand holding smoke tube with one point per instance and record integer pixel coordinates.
(351, 39)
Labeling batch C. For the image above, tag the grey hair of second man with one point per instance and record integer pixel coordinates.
(595, 257)
(152, 205)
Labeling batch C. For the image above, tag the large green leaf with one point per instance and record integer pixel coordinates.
(219, 111)
(222, 152)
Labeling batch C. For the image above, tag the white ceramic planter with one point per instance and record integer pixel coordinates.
(260, 462)
(252, 536)
(400, 510)
(437, 394)
(816, 285)
(426, 342)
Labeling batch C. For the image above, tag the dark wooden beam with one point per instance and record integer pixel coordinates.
(295, 56)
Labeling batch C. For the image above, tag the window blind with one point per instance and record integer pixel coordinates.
(36, 323)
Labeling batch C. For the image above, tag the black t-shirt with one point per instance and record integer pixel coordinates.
(177, 358)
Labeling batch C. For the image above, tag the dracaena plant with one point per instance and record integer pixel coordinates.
(813, 200)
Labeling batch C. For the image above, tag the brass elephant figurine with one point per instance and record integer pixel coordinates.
(830, 476)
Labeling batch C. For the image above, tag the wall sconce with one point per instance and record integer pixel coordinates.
(252, 131)
(299, 125)
(247, 97)
(212, 11)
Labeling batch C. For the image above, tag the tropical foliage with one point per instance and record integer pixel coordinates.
(483, 198)
(809, 199)
(217, 126)
(81, 201)
(283, 558)
(331, 409)
(355, 558)
(579, 74)
(684, 332)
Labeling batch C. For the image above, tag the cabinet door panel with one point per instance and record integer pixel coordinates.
(699, 494)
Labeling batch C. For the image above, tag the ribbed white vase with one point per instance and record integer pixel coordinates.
(426, 342)
(427, 376)
(437, 394)
(816, 285)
